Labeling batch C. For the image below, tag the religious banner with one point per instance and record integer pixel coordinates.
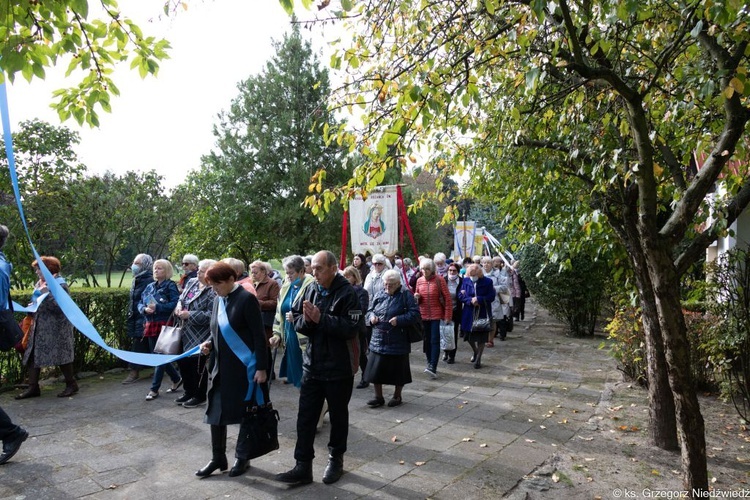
(464, 239)
(374, 222)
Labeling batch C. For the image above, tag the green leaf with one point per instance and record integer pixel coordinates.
(288, 6)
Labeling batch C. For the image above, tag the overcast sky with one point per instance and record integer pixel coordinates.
(165, 123)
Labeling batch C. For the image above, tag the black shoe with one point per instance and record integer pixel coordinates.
(477, 364)
(363, 384)
(473, 358)
(376, 402)
(182, 399)
(193, 403)
(33, 391)
(70, 389)
(502, 339)
(334, 469)
(445, 356)
(301, 474)
(239, 467)
(451, 361)
(11, 446)
(213, 465)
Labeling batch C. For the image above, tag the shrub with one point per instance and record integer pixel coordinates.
(573, 295)
(106, 308)
(628, 345)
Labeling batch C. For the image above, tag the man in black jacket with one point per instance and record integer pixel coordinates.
(330, 316)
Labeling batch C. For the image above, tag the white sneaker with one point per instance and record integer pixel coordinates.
(431, 373)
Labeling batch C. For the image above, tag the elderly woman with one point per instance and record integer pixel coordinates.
(477, 294)
(392, 309)
(297, 280)
(441, 267)
(435, 304)
(51, 341)
(235, 320)
(157, 304)
(502, 282)
(194, 309)
(454, 285)
(143, 275)
(351, 274)
(267, 292)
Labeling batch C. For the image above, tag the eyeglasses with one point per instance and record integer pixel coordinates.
(452, 271)
(379, 263)
(186, 263)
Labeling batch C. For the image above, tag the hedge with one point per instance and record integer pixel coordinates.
(107, 310)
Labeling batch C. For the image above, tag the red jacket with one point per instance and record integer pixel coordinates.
(434, 298)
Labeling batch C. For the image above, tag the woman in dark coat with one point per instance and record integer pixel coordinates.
(143, 275)
(194, 309)
(352, 274)
(476, 294)
(392, 309)
(228, 382)
(51, 341)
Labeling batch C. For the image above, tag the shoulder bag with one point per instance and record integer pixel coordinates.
(259, 431)
(415, 330)
(170, 339)
(10, 332)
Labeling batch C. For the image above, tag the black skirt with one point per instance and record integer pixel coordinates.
(388, 369)
(475, 336)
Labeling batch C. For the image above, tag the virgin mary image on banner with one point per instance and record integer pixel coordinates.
(374, 224)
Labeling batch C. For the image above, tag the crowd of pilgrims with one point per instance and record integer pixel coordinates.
(391, 293)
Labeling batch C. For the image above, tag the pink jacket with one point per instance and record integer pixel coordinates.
(434, 298)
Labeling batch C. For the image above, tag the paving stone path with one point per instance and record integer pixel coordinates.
(470, 434)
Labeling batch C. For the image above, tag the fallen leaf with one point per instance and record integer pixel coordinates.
(112, 487)
(466, 440)
(713, 479)
(483, 445)
(615, 408)
(718, 449)
(558, 406)
(401, 462)
(464, 402)
(655, 472)
(466, 388)
(542, 427)
(530, 420)
(633, 428)
(530, 441)
(555, 478)
(460, 406)
(589, 479)
(394, 439)
(563, 421)
(589, 459)
(399, 421)
(419, 464)
(675, 472)
(585, 439)
(575, 411)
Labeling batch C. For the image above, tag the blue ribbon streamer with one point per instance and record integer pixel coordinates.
(241, 350)
(68, 307)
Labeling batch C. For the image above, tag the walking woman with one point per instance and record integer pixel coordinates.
(235, 320)
(351, 274)
(157, 304)
(143, 275)
(435, 304)
(454, 286)
(51, 341)
(388, 364)
(283, 328)
(477, 294)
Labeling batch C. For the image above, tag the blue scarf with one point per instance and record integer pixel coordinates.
(241, 350)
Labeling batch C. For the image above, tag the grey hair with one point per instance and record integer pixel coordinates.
(193, 259)
(379, 257)
(428, 263)
(391, 275)
(206, 263)
(147, 262)
(439, 257)
(294, 262)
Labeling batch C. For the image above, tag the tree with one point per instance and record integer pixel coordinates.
(245, 200)
(597, 102)
(46, 165)
(35, 35)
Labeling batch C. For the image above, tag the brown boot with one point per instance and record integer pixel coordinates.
(70, 389)
(32, 391)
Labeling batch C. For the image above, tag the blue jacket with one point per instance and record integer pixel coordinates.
(402, 305)
(484, 291)
(165, 295)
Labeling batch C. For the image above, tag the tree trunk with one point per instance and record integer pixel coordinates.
(661, 408)
(690, 424)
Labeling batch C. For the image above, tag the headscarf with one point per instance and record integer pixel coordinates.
(147, 263)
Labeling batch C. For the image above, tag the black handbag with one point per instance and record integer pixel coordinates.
(480, 324)
(414, 332)
(10, 333)
(259, 432)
